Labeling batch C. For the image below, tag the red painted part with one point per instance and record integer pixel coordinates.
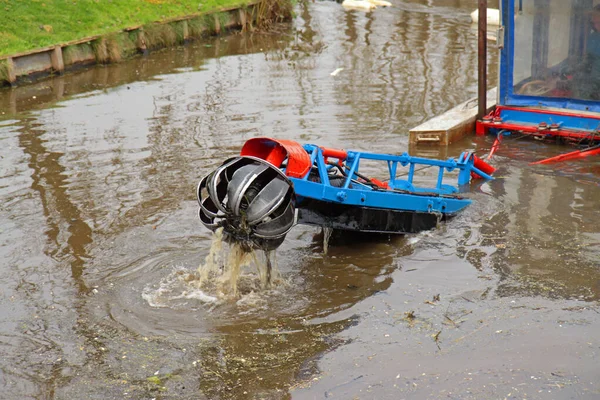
(570, 156)
(534, 131)
(479, 128)
(488, 122)
(266, 149)
(341, 155)
(482, 166)
(383, 185)
(542, 111)
(494, 146)
(276, 151)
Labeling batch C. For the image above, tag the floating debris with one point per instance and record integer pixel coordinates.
(337, 71)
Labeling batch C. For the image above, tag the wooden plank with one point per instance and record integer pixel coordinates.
(50, 48)
(452, 125)
(10, 65)
(217, 24)
(141, 41)
(57, 60)
(242, 17)
(186, 30)
(37, 62)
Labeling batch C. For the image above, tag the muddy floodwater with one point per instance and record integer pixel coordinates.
(101, 246)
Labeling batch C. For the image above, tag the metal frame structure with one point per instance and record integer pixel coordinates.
(254, 196)
(547, 117)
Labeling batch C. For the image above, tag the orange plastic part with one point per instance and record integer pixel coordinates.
(383, 185)
(327, 152)
(334, 153)
(276, 151)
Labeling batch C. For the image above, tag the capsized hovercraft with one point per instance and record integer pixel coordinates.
(260, 195)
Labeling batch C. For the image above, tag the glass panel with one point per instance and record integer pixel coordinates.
(557, 49)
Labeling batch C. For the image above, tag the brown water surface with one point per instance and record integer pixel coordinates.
(100, 235)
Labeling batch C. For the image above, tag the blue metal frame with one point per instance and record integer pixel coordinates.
(506, 95)
(402, 193)
(506, 54)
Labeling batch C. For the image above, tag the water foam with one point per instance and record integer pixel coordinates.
(174, 287)
(219, 278)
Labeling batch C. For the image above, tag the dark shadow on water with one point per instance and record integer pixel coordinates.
(355, 238)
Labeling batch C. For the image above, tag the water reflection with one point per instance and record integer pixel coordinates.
(544, 233)
(68, 235)
(536, 229)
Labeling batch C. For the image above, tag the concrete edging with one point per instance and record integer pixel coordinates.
(39, 63)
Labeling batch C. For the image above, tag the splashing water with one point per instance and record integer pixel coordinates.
(212, 262)
(218, 278)
(238, 258)
(326, 236)
(174, 291)
(224, 277)
(267, 269)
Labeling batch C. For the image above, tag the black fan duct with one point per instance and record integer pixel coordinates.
(252, 200)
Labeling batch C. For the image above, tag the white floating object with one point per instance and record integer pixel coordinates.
(337, 71)
(381, 3)
(359, 5)
(493, 16)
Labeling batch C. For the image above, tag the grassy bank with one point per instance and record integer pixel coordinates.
(31, 24)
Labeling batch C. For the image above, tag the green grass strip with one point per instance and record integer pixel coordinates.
(32, 24)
